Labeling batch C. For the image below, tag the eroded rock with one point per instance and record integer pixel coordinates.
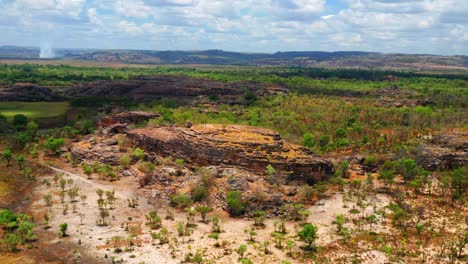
(248, 147)
(117, 122)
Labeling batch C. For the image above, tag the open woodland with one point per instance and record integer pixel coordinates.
(80, 183)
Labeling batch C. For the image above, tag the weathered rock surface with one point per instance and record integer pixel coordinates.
(101, 152)
(150, 88)
(130, 117)
(444, 151)
(251, 148)
(28, 92)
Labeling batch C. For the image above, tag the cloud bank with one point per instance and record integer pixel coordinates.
(418, 26)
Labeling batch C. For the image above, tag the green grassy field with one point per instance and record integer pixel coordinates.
(33, 110)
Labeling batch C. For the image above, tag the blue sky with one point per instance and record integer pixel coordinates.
(418, 26)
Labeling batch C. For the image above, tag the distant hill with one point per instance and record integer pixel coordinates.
(346, 59)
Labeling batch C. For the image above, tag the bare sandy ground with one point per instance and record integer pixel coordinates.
(97, 240)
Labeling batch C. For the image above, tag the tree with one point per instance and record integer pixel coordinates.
(323, 141)
(20, 121)
(234, 203)
(241, 250)
(32, 128)
(203, 210)
(341, 133)
(63, 230)
(7, 156)
(48, 199)
(387, 174)
(153, 220)
(308, 234)
(20, 161)
(87, 169)
(54, 144)
(309, 140)
(407, 168)
(458, 183)
(339, 222)
(259, 217)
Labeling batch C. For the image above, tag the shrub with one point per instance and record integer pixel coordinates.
(207, 176)
(309, 140)
(323, 141)
(138, 153)
(125, 160)
(63, 230)
(308, 234)
(234, 203)
(20, 121)
(54, 144)
(180, 162)
(341, 133)
(180, 200)
(199, 193)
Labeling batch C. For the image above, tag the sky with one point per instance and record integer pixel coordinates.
(391, 26)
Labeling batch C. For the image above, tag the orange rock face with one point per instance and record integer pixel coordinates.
(252, 148)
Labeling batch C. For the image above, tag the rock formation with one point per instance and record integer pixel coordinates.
(251, 148)
(28, 92)
(150, 88)
(130, 117)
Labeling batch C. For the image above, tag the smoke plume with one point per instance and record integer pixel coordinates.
(46, 51)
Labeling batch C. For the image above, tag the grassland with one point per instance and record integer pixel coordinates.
(33, 110)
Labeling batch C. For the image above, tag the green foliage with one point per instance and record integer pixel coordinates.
(241, 250)
(180, 162)
(339, 221)
(235, 203)
(53, 145)
(20, 121)
(259, 217)
(459, 183)
(407, 168)
(20, 161)
(63, 230)
(125, 160)
(180, 200)
(203, 210)
(308, 234)
(7, 155)
(341, 133)
(18, 229)
(199, 193)
(309, 140)
(153, 220)
(138, 153)
(269, 170)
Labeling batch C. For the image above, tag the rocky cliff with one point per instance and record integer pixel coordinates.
(248, 147)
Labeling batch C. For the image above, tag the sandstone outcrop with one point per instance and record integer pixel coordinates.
(130, 117)
(150, 88)
(251, 148)
(445, 151)
(28, 92)
(88, 150)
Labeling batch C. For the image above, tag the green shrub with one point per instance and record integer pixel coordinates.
(235, 203)
(199, 193)
(180, 200)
